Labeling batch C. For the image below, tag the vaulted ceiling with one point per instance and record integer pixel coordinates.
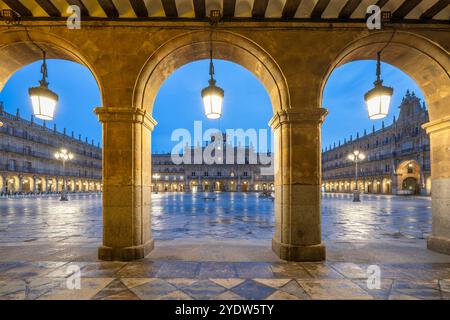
(424, 10)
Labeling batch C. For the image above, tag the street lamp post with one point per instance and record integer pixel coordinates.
(356, 156)
(156, 177)
(63, 155)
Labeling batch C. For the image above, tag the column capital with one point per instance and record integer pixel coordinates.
(314, 116)
(437, 125)
(135, 115)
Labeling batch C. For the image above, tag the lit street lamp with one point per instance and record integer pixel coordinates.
(356, 156)
(42, 98)
(213, 95)
(156, 177)
(379, 98)
(63, 155)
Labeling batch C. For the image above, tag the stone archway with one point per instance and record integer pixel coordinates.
(127, 136)
(194, 46)
(16, 41)
(428, 63)
(408, 177)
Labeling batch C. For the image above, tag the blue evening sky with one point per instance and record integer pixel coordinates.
(179, 104)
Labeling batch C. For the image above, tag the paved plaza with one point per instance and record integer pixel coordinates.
(220, 249)
(215, 216)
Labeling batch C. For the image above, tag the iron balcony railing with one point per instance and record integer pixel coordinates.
(28, 170)
(39, 139)
(46, 156)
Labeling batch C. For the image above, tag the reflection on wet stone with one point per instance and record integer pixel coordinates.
(42, 238)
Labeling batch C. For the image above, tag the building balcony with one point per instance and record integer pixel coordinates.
(47, 172)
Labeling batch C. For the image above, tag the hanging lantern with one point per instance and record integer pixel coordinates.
(212, 96)
(378, 99)
(43, 100)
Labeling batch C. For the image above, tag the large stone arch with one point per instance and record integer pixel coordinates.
(428, 63)
(423, 60)
(127, 137)
(193, 46)
(18, 50)
(402, 172)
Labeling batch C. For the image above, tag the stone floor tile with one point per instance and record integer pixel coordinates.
(175, 295)
(228, 295)
(228, 283)
(102, 269)
(153, 289)
(89, 288)
(114, 288)
(321, 270)
(281, 295)
(423, 271)
(139, 269)
(67, 269)
(122, 295)
(135, 282)
(7, 265)
(293, 288)
(252, 290)
(217, 270)
(444, 286)
(290, 270)
(380, 294)
(203, 290)
(26, 270)
(419, 290)
(179, 269)
(248, 270)
(181, 282)
(333, 289)
(29, 289)
(273, 283)
(351, 270)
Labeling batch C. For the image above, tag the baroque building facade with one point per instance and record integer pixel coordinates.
(28, 164)
(397, 156)
(239, 171)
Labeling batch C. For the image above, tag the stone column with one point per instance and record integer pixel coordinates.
(394, 184)
(20, 184)
(34, 184)
(297, 148)
(127, 183)
(439, 132)
(5, 184)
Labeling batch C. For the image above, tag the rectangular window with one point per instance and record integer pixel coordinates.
(12, 165)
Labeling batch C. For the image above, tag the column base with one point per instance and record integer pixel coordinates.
(125, 254)
(439, 244)
(299, 253)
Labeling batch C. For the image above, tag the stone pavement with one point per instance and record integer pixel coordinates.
(42, 241)
(175, 280)
(231, 216)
